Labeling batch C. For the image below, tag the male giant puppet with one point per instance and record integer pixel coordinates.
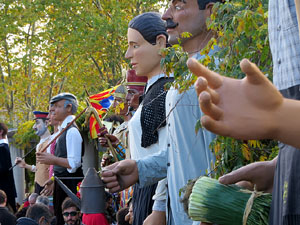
(41, 170)
(68, 149)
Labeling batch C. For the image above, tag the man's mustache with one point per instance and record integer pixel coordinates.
(171, 24)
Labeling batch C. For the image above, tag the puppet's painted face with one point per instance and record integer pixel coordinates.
(61, 111)
(185, 16)
(52, 121)
(40, 127)
(144, 57)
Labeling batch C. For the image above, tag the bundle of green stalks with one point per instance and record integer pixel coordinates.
(207, 200)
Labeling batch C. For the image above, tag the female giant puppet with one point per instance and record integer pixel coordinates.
(147, 36)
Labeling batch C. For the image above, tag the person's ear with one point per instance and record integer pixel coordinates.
(161, 41)
(42, 221)
(69, 108)
(208, 8)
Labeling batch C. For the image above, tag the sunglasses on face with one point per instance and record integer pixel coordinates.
(73, 213)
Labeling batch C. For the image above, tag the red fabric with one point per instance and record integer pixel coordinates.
(26, 204)
(94, 219)
(52, 151)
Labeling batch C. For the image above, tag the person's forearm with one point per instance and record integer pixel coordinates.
(32, 168)
(288, 123)
(63, 162)
(152, 168)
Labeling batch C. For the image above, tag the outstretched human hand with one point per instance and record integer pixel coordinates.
(120, 175)
(242, 109)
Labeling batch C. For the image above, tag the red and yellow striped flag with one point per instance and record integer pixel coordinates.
(101, 102)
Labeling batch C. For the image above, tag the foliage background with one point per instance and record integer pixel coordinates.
(53, 46)
(241, 31)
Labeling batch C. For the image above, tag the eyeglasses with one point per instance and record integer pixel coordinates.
(73, 213)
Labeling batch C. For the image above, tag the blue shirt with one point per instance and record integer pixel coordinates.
(187, 155)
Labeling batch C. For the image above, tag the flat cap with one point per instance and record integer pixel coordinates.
(63, 96)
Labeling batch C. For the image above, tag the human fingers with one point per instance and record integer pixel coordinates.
(241, 174)
(18, 160)
(208, 107)
(201, 85)
(102, 131)
(214, 80)
(102, 141)
(254, 75)
(113, 187)
(217, 127)
(245, 184)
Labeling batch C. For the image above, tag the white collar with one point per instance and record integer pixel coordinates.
(153, 79)
(3, 141)
(67, 120)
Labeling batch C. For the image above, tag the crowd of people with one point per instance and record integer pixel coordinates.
(158, 149)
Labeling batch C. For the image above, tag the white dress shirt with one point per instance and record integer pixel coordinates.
(74, 145)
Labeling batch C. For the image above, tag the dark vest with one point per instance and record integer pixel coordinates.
(61, 151)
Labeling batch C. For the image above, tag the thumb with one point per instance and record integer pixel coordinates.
(254, 75)
(217, 127)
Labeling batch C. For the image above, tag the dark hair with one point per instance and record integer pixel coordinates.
(68, 203)
(4, 128)
(202, 3)
(37, 211)
(121, 216)
(2, 196)
(150, 25)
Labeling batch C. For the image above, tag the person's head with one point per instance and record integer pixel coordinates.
(146, 37)
(43, 200)
(40, 214)
(3, 198)
(70, 212)
(189, 16)
(41, 122)
(120, 102)
(52, 121)
(32, 199)
(121, 216)
(63, 104)
(129, 216)
(3, 130)
(135, 87)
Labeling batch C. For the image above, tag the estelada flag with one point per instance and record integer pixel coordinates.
(101, 102)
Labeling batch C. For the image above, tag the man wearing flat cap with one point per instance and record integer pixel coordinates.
(68, 149)
(41, 170)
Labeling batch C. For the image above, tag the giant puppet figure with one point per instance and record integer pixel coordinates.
(41, 170)
(147, 36)
(68, 149)
(7, 183)
(180, 161)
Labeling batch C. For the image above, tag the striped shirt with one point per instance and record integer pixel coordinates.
(284, 43)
